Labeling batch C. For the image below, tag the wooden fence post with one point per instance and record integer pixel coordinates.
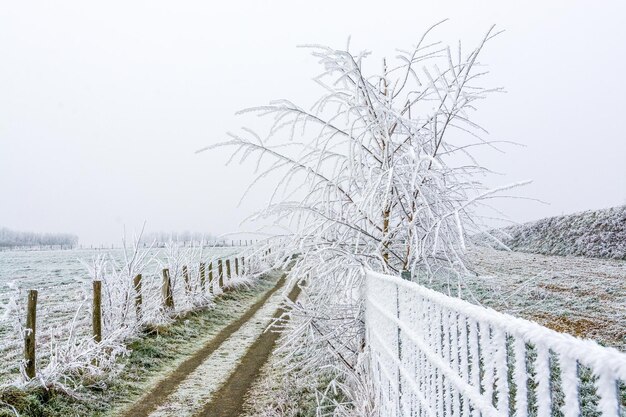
(202, 279)
(186, 278)
(220, 274)
(138, 298)
(211, 284)
(243, 265)
(166, 290)
(96, 315)
(236, 266)
(29, 336)
(228, 275)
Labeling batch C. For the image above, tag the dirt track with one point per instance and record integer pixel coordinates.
(253, 359)
(229, 400)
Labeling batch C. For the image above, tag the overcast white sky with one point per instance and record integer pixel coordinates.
(102, 105)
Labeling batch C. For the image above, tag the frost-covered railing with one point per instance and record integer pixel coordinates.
(434, 355)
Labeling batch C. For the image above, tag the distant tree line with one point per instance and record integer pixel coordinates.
(182, 237)
(11, 239)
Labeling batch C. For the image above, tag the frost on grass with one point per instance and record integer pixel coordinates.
(199, 387)
(580, 296)
(283, 390)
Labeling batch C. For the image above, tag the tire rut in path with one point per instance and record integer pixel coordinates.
(229, 399)
(158, 395)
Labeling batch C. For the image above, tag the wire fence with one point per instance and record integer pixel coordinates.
(62, 347)
(434, 355)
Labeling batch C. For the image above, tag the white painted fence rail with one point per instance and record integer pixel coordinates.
(434, 355)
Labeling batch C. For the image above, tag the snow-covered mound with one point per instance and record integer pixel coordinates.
(593, 233)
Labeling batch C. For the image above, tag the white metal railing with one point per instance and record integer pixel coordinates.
(434, 355)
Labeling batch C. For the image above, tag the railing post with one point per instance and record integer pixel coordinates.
(202, 279)
(166, 290)
(399, 345)
(237, 266)
(96, 316)
(228, 275)
(138, 298)
(29, 335)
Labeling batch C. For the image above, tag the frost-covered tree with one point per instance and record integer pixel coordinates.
(381, 165)
(377, 173)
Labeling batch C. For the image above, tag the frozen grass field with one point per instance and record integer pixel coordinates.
(63, 282)
(584, 297)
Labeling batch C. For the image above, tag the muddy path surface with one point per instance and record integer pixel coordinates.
(229, 400)
(158, 397)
